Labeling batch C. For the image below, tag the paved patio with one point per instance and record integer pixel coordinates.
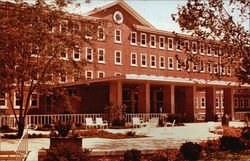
(158, 138)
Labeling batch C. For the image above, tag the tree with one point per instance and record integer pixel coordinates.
(35, 45)
(222, 27)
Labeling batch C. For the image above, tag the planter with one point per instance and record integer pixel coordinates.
(55, 141)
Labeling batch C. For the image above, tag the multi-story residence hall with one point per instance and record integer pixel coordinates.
(136, 65)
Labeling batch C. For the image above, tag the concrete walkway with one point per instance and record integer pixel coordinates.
(158, 138)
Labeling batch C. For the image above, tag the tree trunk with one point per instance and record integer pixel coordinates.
(20, 127)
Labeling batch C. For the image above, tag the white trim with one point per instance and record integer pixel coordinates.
(99, 72)
(135, 59)
(76, 59)
(216, 68)
(117, 74)
(118, 41)
(101, 39)
(5, 101)
(217, 102)
(229, 69)
(63, 21)
(177, 65)
(163, 39)
(60, 78)
(152, 66)
(170, 48)
(186, 46)
(223, 70)
(203, 98)
(179, 43)
(216, 52)
(202, 46)
(91, 54)
(195, 66)
(86, 74)
(172, 62)
(66, 52)
(143, 45)
(99, 61)
(15, 106)
(118, 63)
(209, 66)
(162, 61)
(194, 52)
(202, 64)
(242, 103)
(145, 60)
(209, 49)
(236, 102)
(131, 38)
(37, 100)
(152, 46)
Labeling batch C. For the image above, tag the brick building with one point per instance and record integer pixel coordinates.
(136, 64)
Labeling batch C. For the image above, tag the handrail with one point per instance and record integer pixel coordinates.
(22, 146)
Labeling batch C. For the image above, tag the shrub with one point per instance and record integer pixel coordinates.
(232, 131)
(170, 155)
(210, 146)
(38, 135)
(130, 133)
(10, 136)
(231, 143)
(191, 151)
(63, 128)
(67, 151)
(246, 133)
(5, 128)
(132, 155)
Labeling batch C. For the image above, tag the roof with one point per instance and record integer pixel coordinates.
(126, 7)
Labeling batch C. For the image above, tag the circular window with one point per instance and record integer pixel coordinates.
(118, 17)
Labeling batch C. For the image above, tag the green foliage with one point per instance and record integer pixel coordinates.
(63, 128)
(116, 114)
(67, 152)
(191, 151)
(231, 143)
(132, 155)
(210, 146)
(130, 133)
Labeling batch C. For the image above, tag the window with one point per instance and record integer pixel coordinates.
(201, 48)
(170, 63)
(133, 40)
(143, 60)
(101, 55)
(89, 54)
(216, 70)
(3, 100)
(203, 102)
(152, 61)
(133, 59)
(222, 102)
(170, 44)
(101, 34)
(194, 47)
(235, 102)
(118, 58)
(101, 74)
(76, 54)
(118, 36)
(209, 50)
(76, 27)
(186, 43)
(162, 42)
(17, 100)
(49, 77)
(76, 77)
(34, 100)
(162, 62)
(178, 45)
(216, 54)
(241, 102)
(63, 77)
(89, 74)
(202, 67)
(64, 54)
(35, 51)
(63, 26)
(194, 67)
(209, 67)
(179, 65)
(217, 102)
(187, 64)
(152, 41)
(89, 31)
(246, 103)
(222, 70)
(229, 70)
(118, 74)
(143, 39)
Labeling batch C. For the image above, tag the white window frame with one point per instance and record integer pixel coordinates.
(15, 106)
(5, 101)
(179, 45)
(100, 72)
(217, 102)
(222, 102)
(66, 52)
(86, 51)
(236, 102)
(242, 102)
(202, 49)
(177, 65)
(37, 100)
(216, 68)
(246, 102)
(170, 59)
(161, 41)
(118, 63)
(74, 52)
(101, 61)
(222, 68)
(162, 60)
(143, 45)
(216, 52)
(209, 67)
(73, 26)
(209, 48)
(118, 74)
(86, 74)
(76, 75)
(143, 65)
(98, 33)
(120, 35)
(196, 48)
(152, 40)
(229, 70)
(202, 65)
(170, 48)
(195, 67)
(133, 38)
(203, 98)
(197, 102)
(60, 78)
(151, 61)
(66, 22)
(187, 47)
(135, 59)
(187, 64)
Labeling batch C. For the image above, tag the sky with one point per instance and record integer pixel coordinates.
(156, 12)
